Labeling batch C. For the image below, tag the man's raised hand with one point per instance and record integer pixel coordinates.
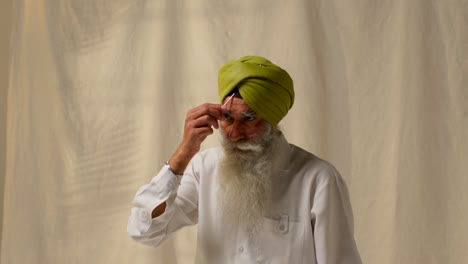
(198, 125)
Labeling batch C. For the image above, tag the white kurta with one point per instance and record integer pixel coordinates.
(309, 221)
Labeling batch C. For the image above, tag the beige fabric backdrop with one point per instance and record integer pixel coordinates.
(98, 92)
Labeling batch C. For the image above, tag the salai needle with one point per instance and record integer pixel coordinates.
(229, 99)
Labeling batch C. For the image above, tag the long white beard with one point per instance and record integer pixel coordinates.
(245, 179)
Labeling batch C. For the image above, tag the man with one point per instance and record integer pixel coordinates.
(257, 199)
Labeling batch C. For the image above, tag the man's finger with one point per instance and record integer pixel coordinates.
(203, 132)
(213, 110)
(205, 120)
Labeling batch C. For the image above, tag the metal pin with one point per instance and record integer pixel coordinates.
(229, 99)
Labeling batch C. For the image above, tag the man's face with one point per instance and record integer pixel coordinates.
(242, 124)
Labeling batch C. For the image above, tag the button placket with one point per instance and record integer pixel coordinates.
(284, 224)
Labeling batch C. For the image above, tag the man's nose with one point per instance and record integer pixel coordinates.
(236, 133)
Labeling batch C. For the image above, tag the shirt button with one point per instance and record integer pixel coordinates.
(281, 227)
(170, 185)
(241, 249)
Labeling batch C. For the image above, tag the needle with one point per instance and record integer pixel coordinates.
(229, 99)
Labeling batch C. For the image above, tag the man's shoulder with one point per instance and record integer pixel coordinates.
(310, 163)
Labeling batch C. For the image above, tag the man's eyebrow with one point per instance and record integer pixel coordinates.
(251, 113)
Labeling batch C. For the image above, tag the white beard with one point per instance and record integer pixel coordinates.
(245, 179)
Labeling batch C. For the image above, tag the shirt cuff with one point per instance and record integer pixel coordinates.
(162, 188)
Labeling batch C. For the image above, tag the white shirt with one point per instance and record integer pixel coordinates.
(310, 219)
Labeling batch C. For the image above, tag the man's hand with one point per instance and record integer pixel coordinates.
(198, 125)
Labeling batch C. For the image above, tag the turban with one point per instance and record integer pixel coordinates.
(265, 87)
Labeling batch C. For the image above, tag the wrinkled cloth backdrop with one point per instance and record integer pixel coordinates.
(98, 91)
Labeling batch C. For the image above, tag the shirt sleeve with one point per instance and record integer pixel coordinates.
(181, 210)
(332, 221)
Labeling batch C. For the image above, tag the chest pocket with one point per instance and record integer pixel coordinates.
(282, 241)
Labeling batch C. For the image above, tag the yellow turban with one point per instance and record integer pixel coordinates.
(265, 87)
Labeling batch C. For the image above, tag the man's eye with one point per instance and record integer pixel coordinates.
(227, 116)
(249, 118)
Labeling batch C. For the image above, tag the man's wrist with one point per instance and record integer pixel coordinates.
(172, 170)
(179, 161)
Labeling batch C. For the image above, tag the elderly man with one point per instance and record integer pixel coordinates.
(256, 199)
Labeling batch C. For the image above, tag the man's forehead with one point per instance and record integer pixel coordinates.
(238, 105)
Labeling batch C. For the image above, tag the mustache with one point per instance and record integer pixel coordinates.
(256, 145)
(248, 146)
